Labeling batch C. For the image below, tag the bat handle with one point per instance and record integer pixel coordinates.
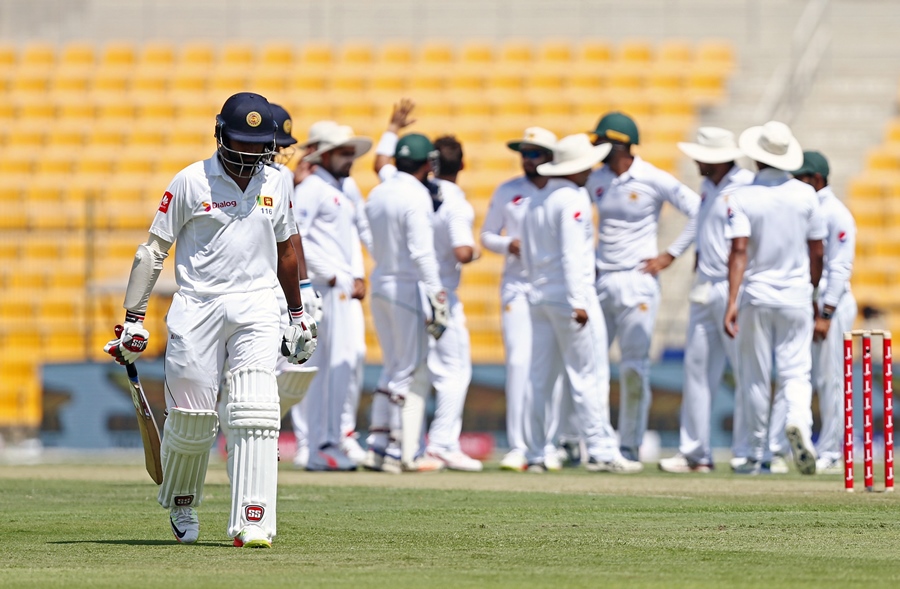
(132, 370)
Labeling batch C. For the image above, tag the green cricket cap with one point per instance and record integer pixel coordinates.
(616, 126)
(414, 146)
(813, 163)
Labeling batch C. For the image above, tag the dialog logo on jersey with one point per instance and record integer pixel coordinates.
(218, 205)
(254, 513)
(164, 203)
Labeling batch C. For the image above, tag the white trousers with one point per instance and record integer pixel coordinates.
(559, 344)
(630, 301)
(784, 334)
(450, 372)
(203, 332)
(706, 351)
(516, 322)
(357, 325)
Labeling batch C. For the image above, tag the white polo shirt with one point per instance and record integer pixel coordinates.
(629, 207)
(503, 222)
(558, 246)
(840, 247)
(399, 211)
(226, 238)
(453, 222)
(326, 222)
(712, 247)
(779, 215)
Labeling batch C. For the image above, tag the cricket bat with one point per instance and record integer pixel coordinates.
(147, 424)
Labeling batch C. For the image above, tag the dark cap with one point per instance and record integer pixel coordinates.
(416, 147)
(813, 163)
(247, 117)
(618, 127)
(283, 136)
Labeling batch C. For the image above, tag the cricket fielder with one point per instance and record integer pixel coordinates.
(230, 215)
(776, 231)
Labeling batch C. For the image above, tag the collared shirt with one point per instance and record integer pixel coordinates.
(558, 246)
(326, 221)
(779, 215)
(840, 246)
(503, 222)
(364, 234)
(399, 212)
(452, 229)
(629, 207)
(712, 247)
(226, 237)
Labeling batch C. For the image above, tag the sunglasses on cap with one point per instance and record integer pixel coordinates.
(532, 154)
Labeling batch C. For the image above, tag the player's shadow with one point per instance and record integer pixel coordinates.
(142, 543)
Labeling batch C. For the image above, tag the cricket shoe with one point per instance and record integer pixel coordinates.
(630, 454)
(572, 449)
(829, 465)
(737, 461)
(778, 465)
(424, 463)
(751, 467)
(552, 461)
(252, 537)
(457, 460)
(618, 465)
(185, 524)
(802, 449)
(536, 468)
(330, 458)
(301, 457)
(682, 464)
(350, 446)
(383, 460)
(514, 461)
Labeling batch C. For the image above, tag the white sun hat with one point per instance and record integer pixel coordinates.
(574, 154)
(339, 136)
(714, 146)
(317, 131)
(537, 136)
(772, 144)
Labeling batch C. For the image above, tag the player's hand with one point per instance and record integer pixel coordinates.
(131, 340)
(311, 299)
(440, 314)
(656, 265)
(299, 340)
(821, 328)
(359, 289)
(515, 247)
(580, 316)
(400, 115)
(731, 323)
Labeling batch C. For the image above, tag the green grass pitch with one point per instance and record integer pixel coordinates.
(98, 525)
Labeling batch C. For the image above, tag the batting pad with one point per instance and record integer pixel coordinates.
(412, 416)
(292, 386)
(254, 418)
(187, 438)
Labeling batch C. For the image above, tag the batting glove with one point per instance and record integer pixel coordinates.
(312, 300)
(131, 340)
(440, 314)
(299, 340)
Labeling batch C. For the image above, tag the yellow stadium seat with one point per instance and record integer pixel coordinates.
(190, 77)
(31, 78)
(111, 134)
(349, 106)
(66, 136)
(277, 54)
(238, 55)
(16, 162)
(154, 109)
(625, 76)
(705, 87)
(197, 53)
(173, 160)
(674, 51)
(56, 161)
(268, 80)
(303, 79)
(594, 51)
(137, 159)
(665, 76)
(151, 78)
(131, 188)
(316, 53)
(477, 52)
(349, 78)
(432, 104)
(97, 159)
(862, 188)
(436, 52)
(38, 53)
(112, 108)
(156, 54)
(27, 135)
(882, 159)
(469, 105)
(356, 53)
(467, 77)
(114, 78)
(72, 78)
(671, 103)
(388, 77)
(515, 52)
(556, 51)
(426, 79)
(228, 80)
(505, 80)
(118, 53)
(78, 53)
(716, 53)
(193, 132)
(545, 78)
(8, 54)
(635, 51)
(395, 53)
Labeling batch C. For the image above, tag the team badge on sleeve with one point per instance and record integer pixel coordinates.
(164, 203)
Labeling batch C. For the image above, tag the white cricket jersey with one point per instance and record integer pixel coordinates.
(629, 207)
(558, 246)
(226, 237)
(351, 190)
(286, 171)
(840, 246)
(326, 222)
(452, 229)
(779, 215)
(399, 211)
(503, 222)
(712, 247)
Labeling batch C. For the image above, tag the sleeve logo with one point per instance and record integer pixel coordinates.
(517, 199)
(842, 236)
(164, 203)
(578, 216)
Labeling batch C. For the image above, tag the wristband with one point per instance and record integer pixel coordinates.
(296, 314)
(387, 145)
(305, 283)
(815, 294)
(132, 317)
(826, 314)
